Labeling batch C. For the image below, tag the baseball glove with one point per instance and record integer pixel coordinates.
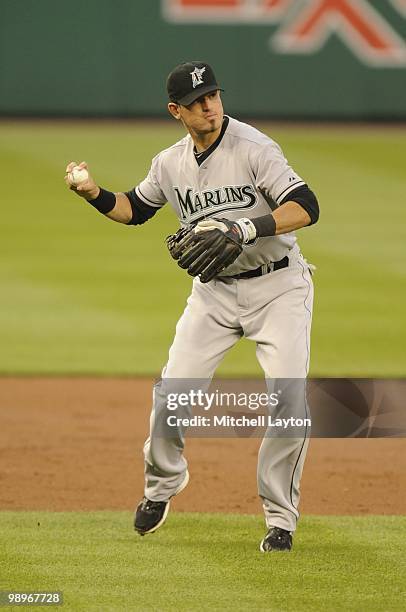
(208, 248)
(173, 240)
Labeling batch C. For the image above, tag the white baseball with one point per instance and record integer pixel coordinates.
(78, 175)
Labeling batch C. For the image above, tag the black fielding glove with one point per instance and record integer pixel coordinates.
(209, 248)
(173, 240)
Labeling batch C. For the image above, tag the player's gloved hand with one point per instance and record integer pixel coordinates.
(209, 248)
(173, 241)
(85, 186)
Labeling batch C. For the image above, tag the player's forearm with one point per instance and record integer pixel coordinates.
(290, 217)
(300, 208)
(122, 212)
(115, 206)
(125, 208)
(287, 218)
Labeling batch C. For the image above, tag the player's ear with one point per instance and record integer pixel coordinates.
(174, 110)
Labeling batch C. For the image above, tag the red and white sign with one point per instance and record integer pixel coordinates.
(400, 5)
(360, 27)
(225, 11)
(305, 25)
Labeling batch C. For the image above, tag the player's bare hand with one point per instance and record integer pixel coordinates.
(79, 180)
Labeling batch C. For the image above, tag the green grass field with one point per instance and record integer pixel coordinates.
(205, 562)
(81, 294)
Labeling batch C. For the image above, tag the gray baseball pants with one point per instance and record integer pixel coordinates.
(274, 311)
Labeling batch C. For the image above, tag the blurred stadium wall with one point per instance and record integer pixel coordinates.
(307, 59)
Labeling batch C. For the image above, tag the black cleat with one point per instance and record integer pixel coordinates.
(150, 515)
(276, 539)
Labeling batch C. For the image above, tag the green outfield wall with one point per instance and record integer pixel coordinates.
(275, 58)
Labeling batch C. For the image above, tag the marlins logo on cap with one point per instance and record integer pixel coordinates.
(197, 78)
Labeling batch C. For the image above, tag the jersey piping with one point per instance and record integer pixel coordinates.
(146, 200)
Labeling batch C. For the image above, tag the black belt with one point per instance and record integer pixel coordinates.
(265, 269)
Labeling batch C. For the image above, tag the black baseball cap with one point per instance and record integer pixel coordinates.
(189, 81)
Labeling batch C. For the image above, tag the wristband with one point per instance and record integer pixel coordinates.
(248, 230)
(265, 226)
(105, 201)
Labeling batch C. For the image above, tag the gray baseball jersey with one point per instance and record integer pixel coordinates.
(246, 175)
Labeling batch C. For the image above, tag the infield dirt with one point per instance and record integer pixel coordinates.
(76, 444)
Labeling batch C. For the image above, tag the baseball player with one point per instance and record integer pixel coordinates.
(238, 203)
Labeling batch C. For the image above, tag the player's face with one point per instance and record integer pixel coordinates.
(203, 116)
